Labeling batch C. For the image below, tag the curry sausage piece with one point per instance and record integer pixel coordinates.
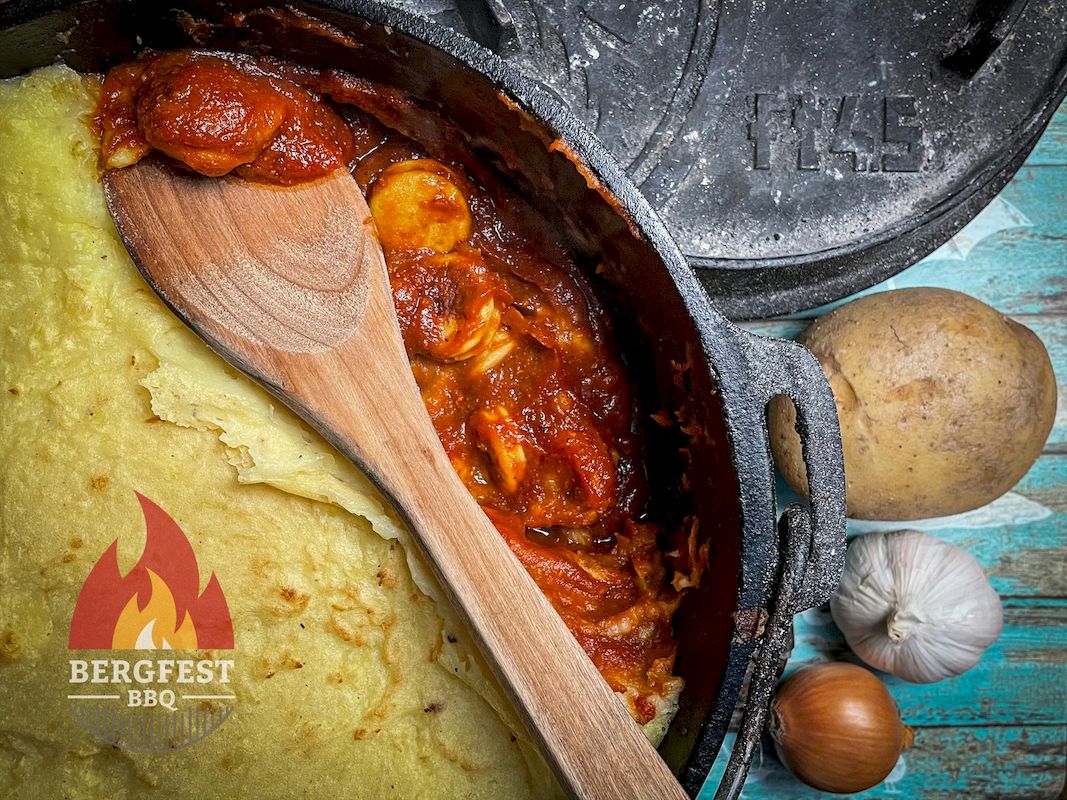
(590, 458)
(417, 206)
(448, 304)
(185, 105)
(499, 435)
(218, 114)
(492, 352)
(122, 144)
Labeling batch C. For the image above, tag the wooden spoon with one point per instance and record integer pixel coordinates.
(289, 285)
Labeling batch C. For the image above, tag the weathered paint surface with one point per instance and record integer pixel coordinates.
(953, 763)
(1052, 149)
(1018, 681)
(1000, 729)
(1020, 538)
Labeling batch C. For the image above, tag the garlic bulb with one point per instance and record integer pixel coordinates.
(915, 606)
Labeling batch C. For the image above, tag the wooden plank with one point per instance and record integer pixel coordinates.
(1020, 538)
(1015, 272)
(1050, 328)
(1013, 763)
(1052, 147)
(1012, 256)
(1018, 681)
(786, 328)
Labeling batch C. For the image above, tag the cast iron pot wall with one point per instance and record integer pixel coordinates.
(716, 378)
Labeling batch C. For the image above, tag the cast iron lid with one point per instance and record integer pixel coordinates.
(802, 150)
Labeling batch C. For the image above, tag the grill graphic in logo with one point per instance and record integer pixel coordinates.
(151, 701)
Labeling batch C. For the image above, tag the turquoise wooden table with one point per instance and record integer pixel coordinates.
(999, 730)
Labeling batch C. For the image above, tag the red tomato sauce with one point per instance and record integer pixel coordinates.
(513, 353)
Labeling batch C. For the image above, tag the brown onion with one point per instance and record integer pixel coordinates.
(836, 727)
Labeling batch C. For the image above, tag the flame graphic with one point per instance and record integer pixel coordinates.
(157, 604)
(155, 626)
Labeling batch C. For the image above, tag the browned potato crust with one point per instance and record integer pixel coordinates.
(944, 402)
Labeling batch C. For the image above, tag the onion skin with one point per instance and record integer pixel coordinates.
(837, 728)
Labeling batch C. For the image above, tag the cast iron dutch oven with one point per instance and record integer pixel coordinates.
(716, 379)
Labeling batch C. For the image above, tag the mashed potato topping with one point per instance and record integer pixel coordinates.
(351, 680)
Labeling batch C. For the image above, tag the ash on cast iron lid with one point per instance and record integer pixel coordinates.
(798, 151)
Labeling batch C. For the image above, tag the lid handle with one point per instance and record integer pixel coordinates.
(988, 25)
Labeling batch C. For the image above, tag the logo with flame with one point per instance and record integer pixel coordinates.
(153, 701)
(157, 605)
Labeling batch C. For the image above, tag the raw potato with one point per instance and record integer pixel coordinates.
(944, 402)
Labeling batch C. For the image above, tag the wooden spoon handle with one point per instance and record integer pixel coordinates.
(596, 750)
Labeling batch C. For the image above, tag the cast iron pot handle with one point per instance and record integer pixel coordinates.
(812, 539)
